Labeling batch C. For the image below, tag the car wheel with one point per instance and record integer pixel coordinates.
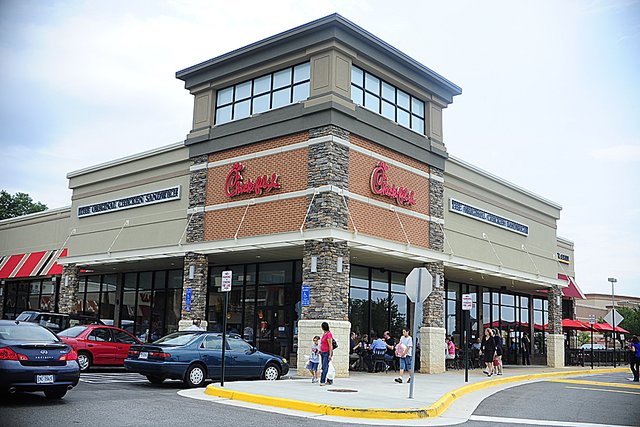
(154, 379)
(55, 393)
(195, 376)
(271, 372)
(84, 361)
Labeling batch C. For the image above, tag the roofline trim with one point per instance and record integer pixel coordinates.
(127, 159)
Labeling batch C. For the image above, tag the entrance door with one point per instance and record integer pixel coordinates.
(274, 330)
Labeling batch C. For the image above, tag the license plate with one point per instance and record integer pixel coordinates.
(44, 379)
(143, 355)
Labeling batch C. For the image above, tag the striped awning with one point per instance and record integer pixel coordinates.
(32, 264)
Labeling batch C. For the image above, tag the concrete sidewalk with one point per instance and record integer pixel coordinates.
(365, 395)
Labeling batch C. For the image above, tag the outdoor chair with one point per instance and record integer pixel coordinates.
(378, 360)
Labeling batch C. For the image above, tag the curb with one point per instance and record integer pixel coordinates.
(432, 411)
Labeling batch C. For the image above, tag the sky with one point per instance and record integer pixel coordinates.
(550, 102)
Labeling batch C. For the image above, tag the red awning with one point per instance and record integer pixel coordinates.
(605, 327)
(572, 290)
(34, 264)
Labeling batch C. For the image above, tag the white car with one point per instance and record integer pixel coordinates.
(595, 347)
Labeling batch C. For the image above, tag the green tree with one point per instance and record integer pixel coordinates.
(583, 338)
(631, 320)
(17, 205)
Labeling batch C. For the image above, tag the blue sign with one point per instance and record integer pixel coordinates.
(488, 217)
(306, 295)
(187, 302)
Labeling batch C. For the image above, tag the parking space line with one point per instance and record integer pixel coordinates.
(537, 422)
(604, 389)
(598, 383)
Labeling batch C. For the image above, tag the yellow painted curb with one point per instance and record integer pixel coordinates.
(434, 410)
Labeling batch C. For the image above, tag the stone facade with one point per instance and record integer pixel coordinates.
(436, 210)
(432, 350)
(68, 288)
(3, 289)
(197, 199)
(555, 310)
(198, 286)
(329, 288)
(555, 350)
(307, 329)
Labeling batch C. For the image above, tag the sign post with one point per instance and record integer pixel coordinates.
(613, 318)
(418, 286)
(227, 277)
(467, 305)
(592, 320)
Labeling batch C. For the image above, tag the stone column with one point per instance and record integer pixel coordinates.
(329, 288)
(555, 338)
(432, 335)
(197, 282)
(3, 290)
(197, 200)
(68, 289)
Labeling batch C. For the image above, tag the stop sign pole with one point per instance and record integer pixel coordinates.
(418, 286)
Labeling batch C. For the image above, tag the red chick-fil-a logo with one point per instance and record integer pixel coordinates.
(235, 185)
(379, 185)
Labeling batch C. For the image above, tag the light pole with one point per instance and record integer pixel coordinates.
(613, 315)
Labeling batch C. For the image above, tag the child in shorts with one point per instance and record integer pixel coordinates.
(314, 359)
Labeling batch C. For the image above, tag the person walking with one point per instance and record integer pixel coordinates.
(526, 345)
(404, 353)
(488, 351)
(314, 359)
(326, 352)
(497, 361)
(635, 358)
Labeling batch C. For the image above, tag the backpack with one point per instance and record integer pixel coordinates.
(334, 344)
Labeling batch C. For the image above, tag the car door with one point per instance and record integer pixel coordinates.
(123, 342)
(211, 354)
(102, 347)
(245, 362)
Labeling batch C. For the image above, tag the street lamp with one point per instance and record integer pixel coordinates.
(613, 315)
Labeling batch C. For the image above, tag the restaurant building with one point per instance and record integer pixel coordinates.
(316, 160)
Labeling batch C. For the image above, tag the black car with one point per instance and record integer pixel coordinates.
(193, 356)
(32, 358)
(57, 321)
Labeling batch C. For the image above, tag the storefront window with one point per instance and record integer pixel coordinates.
(378, 305)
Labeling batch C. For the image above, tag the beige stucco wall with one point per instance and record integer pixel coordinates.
(464, 235)
(149, 226)
(41, 231)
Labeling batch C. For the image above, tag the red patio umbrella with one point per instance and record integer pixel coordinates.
(605, 327)
(575, 325)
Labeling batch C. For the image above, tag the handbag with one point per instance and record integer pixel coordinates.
(334, 344)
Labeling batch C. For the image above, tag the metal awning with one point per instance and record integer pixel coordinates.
(32, 264)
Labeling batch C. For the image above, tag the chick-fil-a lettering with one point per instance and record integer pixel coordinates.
(235, 185)
(379, 185)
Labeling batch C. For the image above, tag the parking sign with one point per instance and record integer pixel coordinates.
(227, 277)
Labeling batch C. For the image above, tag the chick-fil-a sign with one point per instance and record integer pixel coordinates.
(379, 185)
(235, 185)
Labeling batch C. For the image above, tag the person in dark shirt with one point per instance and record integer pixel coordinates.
(635, 358)
(488, 351)
(390, 354)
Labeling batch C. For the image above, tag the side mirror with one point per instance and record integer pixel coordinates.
(253, 350)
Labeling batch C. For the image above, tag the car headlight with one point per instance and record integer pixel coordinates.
(284, 360)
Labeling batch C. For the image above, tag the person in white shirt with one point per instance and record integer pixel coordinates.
(404, 350)
(195, 327)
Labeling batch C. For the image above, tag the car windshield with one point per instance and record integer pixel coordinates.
(24, 316)
(177, 338)
(26, 333)
(72, 332)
